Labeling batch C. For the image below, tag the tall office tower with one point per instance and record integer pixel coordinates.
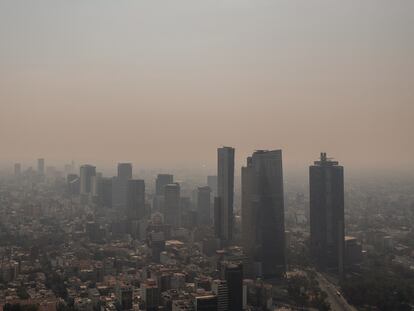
(217, 217)
(120, 186)
(73, 184)
(204, 205)
(95, 182)
(41, 166)
(105, 192)
(233, 274)
(86, 173)
(212, 183)
(136, 209)
(17, 169)
(125, 171)
(161, 181)
(263, 226)
(220, 289)
(225, 191)
(172, 213)
(326, 179)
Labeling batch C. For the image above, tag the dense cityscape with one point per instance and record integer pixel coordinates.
(214, 155)
(74, 239)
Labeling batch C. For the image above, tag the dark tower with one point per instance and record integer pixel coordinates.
(326, 179)
(136, 199)
(225, 191)
(204, 206)
(233, 274)
(263, 225)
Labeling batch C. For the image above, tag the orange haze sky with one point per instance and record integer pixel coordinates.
(164, 83)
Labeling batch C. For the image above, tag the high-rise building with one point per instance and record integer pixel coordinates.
(220, 289)
(233, 274)
(217, 217)
(41, 166)
(204, 205)
(17, 169)
(161, 181)
(212, 183)
(125, 171)
(263, 228)
(136, 199)
(120, 186)
(150, 294)
(73, 183)
(105, 192)
(172, 213)
(326, 179)
(86, 173)
(96, 181)
(225, 191)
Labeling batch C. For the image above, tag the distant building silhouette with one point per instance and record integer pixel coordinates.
(120, 186)
(73, 183)
(263, 227)
(172, 213)
(326, 179)
(212, 183)
(86, 173)
(225, 192)
(161, 181)
(105, 191)
(136, 199)
(203, 205)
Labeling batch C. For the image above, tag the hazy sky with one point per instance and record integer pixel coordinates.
(164, 83)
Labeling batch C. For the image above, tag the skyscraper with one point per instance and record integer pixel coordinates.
(220, 289)
(326, 179)
(86, 173)
(263, 226)
(161, 181)
(105, 192)
(203, 205)
(120, 186)
(172, 213)
(233, 274)
(225, 192)
(212, 183)
(125, 171)
(41, 166)
(136, 199)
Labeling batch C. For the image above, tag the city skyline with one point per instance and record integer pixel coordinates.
(216, 155)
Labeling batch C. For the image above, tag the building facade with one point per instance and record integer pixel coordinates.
(326, 180)
(263, 227)
(225, 192)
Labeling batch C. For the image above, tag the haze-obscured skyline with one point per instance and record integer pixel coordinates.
(163, 84)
